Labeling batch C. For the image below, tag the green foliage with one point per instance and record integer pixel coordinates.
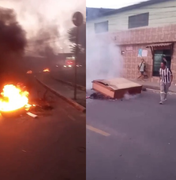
(72, 36)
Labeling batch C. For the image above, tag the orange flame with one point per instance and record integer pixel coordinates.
(13, 98)
(29, 72)
(46, 70)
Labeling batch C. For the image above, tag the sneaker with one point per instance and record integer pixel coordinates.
(165, 100)
(161, 102)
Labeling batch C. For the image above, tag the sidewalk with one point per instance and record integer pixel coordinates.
(62, 89)
(155, 86)
(68, 76)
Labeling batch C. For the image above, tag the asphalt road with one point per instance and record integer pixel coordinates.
(51, 147)
(131, 139)
(68, 75)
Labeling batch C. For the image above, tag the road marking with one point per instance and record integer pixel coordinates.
(97, 130)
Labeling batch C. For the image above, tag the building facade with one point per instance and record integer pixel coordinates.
(142, 31)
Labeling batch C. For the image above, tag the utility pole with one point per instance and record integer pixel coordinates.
(77, 20)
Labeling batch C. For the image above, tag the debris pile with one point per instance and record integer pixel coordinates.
(97, 95)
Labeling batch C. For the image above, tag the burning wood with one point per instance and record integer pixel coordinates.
(29, 72)
(13, 98)
(46, 70)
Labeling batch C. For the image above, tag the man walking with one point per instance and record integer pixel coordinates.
(165, 81)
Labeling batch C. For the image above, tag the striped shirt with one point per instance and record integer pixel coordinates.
(165, 75)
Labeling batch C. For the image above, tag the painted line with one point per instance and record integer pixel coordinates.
(97, 130)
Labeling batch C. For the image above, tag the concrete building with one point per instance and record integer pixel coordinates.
(146, 30)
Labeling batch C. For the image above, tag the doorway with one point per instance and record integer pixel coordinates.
(158, 54)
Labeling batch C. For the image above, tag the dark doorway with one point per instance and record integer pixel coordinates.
(158, 54)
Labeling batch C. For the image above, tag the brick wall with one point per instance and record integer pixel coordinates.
(145, 36)
(139, 39)
(131, 61)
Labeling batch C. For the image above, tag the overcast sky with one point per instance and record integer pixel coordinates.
(111, 3)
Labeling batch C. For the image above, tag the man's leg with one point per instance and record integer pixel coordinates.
(162, 92)
(166, 89)
(139, 76)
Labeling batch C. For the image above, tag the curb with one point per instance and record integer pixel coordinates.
(70, 84)
(70, 101)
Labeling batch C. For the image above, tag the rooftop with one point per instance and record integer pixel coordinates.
(93, 13)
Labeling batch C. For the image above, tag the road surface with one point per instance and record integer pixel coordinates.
(131, 139)
(68, 75)
(51, 147)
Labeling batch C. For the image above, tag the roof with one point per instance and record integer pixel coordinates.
(159, 45)
(127, 8)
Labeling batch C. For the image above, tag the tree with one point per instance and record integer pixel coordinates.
(72, 35)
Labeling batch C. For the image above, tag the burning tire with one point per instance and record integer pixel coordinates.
(15, 113)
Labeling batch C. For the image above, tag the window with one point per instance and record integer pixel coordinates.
(139, 20)
(101, 27)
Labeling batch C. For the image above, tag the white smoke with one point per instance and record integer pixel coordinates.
(128, 96)
(103, 57)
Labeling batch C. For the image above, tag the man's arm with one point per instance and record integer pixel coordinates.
(171, 75)
(160, 74)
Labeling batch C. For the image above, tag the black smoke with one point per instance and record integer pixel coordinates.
(12, 44)
(12, 36)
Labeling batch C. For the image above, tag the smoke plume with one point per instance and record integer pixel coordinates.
(12, 36)
(46, 22)
(12, 42)
(103, 58)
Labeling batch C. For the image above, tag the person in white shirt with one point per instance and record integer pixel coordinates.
(166, 78)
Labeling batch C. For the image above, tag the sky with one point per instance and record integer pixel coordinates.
(111, 3)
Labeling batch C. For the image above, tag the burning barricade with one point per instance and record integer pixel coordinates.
(46, 70)
(29, 72)
(14, 101)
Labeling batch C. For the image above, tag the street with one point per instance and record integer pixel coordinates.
(51, 147)
(131, 139)
(68, 75)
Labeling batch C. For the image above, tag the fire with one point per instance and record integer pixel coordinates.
(46, 70)
(29, 72)
(13, 98)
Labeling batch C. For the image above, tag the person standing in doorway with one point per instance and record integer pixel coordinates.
(166, 78)
(141, 68)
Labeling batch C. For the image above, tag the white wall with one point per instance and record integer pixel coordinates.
(159, 15)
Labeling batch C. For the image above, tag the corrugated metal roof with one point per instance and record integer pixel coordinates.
(159, 45)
